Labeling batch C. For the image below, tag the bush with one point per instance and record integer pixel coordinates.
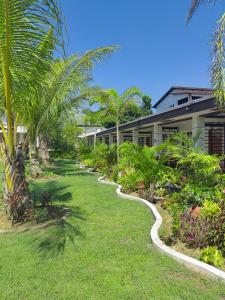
(129, 180)
(212, 256)
(210, 209)
(105, 158)
(88, 162)
(194, 231)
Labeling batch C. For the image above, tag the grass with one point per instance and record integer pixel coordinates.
(102, 252)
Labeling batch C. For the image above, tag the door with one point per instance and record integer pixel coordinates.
(215, 141)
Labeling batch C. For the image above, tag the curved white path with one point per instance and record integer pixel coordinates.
(190, 262)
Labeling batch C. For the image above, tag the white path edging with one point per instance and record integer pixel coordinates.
(190, 262)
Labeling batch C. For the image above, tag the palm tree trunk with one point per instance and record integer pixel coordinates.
(117, 142)
(95, 139)
(43, 150)
(16, 197)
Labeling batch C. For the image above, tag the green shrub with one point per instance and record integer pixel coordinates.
(129, 180)
(210, 209)
(212, 256)
(105, 158)
(88, 162)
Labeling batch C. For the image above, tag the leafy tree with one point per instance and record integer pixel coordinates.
(146, 105)
(217, 69)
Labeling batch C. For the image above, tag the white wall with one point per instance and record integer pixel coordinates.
(170, 102)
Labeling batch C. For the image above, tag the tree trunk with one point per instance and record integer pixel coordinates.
(118, 143)
(43, 152)
(16, 197)
(95, 138)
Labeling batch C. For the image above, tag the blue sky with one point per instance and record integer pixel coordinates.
(157, 49)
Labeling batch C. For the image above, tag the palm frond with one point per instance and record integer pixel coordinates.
(194, 6)
(218, 65)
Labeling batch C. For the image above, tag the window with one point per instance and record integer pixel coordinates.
(182, 101)
(141, 141)
(127, 138)
(195, 97)
(107, 140)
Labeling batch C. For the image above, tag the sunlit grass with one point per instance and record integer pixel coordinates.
(102, 251)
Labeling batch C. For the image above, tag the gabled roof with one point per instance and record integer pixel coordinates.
(184, 90)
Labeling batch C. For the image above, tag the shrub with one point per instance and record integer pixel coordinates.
(194, 230)
(129, 180)
(212, 256)
(210, 209)
(88, 162)
(105, 158)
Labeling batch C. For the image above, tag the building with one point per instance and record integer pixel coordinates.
(180, 109)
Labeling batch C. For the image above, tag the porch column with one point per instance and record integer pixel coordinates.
(120, 137)
(135, 136)
(198, 127)
(157, 135)
(110, 139)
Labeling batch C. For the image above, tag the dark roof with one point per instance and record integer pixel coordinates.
(185, 90)
(182, 110)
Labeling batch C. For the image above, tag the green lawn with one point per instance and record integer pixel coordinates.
(104, 252)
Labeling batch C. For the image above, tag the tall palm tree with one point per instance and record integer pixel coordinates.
(24, 26)
(114, 106)
(218, 63)
(67, 85)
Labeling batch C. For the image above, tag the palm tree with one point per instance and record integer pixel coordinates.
(67, 85)
(217, 69)
(114, 106)
(24, 26)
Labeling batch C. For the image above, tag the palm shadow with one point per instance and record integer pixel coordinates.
(53, 190)
(53, 240)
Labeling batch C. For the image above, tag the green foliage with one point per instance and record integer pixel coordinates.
(83, 150)
(146, 105)
(212, 256)
(105, 158)
(89, 162)
(210, 209)
(200, 167)
(129, 180)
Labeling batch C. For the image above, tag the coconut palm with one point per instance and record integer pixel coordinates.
(67, 85)
(24, 26)
(114, 106)
(217, 69)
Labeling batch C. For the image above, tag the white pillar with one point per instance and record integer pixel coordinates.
(110, 139)
(120, 137)
(198, 128)
(157, 135)
(135, 136)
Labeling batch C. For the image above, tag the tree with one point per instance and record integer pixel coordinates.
(217, 69)
(146, 105)
(114, 106)
(24, 38)
(67, 85)
(133, 111)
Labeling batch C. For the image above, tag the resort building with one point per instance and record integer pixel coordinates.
(180, 109)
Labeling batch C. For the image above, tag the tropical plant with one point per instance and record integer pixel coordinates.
(217, 69)
(105, 158)
(213, 256)
(114, 106)
(67, 85)
(27, 30)
(151, 165)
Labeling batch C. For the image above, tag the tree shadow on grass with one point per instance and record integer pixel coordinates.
(53, 240)
(53, 190)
